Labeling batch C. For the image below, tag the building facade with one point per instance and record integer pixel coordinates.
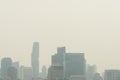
(6, 63)
(91, 71)
(12, 72)
(44, 73)
(55, 72)
(112, 75)
(77, 77)
(97, 76)
(26, 73)
(35, 60)
(75, 64)
(58, 58)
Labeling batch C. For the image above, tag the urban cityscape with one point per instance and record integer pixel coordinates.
(64, 66)
(59, 39)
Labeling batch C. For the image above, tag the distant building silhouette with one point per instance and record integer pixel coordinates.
(59, 57)
(6, 63)
(17, 66)
(73, 63)
(26, 73)
(55, 72)
(112, 75)
(97, 77)
(44, 73)
(35, 60)
(91, 71)
(12, 73)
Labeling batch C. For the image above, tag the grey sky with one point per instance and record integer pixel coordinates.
(89, 26)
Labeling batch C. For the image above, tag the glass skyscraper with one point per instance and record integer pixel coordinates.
(35, 60)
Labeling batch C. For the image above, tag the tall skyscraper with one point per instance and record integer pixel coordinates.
(35, 60)
(6, 63)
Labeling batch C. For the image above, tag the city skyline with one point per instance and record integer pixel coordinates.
(40, 66)
(64, 66)
(88, 26)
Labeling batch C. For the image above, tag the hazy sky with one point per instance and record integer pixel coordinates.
(89, 26)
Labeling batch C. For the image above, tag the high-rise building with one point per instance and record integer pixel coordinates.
(91, 71)
(35, 60)
(44, 73)
(55, 72)
(59, 57)
(112, 75)
(75, 64)
(6, 63)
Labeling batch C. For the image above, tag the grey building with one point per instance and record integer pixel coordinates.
(35, 60)
(55, 72)
(12, 73)
(75, 64)
(112, 75)
(6, 63)
(91, 71)
(44, 73)
(25, 73)
(58, 58)
(97, 76)
(17, 66)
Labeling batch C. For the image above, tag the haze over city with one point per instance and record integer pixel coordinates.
(88, 26)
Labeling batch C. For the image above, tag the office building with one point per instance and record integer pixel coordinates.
(44, 73)
(12, 73)
(58, 58)
(91, 71)
(6, 63)
(17, 66)
(35, 60)
(75, 64)
(97, 76)
(26, 73)
(112, 75)
(55, 72)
